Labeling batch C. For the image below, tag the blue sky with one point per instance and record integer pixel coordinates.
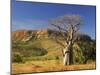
(34, 15)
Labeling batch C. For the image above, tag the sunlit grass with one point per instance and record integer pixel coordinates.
(47, 65)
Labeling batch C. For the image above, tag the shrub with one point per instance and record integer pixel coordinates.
(18, 58)
(78, 55)
(84, 51)
(56, 57)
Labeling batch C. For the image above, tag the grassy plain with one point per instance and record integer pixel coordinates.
(47, 66)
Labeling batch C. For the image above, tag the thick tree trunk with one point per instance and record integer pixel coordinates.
(67, 59)
(68, 55)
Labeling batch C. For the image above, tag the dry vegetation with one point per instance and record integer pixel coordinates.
(28, 60)
(47, 66)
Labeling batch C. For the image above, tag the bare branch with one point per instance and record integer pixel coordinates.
(68, 27)
(61, 30)
(59, 27)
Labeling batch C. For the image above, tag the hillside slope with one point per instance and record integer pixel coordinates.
(38, 44)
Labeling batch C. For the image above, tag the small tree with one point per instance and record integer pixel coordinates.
(68, 27)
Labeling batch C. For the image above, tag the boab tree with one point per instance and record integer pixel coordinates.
(68, 26)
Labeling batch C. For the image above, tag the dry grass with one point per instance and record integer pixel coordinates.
(45, 66)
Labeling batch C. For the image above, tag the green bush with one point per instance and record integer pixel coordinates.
(18, 58)
(78, 57)
(84, 51)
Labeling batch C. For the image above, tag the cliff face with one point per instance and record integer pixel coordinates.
(26, 35)
(19, 34)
